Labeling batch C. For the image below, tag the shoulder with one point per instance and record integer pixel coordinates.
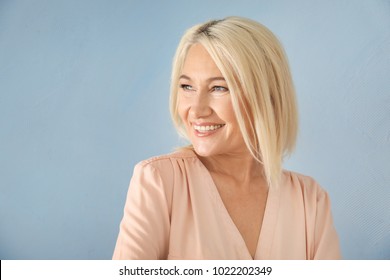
(164, 173)
(169, 164)
(168, 159)
(304, 184)
(304, 189)
(301, 179)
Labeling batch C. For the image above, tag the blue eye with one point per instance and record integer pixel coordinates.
(220, 89)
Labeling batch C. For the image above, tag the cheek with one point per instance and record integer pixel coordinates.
(231, 119)
(182, 110)
(226, 112)
(231, 114)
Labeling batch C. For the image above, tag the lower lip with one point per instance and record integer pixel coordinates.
(206, 133)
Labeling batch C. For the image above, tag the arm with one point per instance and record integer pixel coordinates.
(325, 236)
(144, 229)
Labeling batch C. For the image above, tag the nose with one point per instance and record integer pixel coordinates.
(200, 106)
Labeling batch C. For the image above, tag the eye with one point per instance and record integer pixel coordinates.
(220, 89)
(186, 87)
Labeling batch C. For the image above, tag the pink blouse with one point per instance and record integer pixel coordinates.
(174, 211)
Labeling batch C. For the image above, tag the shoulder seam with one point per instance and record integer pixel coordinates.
(176, 155)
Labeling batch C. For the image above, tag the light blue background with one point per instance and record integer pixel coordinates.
(84, 96)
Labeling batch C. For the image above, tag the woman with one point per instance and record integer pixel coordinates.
(226, 196)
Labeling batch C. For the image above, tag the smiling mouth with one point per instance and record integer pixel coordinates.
(207, 128)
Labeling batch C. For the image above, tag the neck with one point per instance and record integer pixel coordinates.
(239, 167)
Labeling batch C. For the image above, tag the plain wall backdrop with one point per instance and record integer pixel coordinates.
(84, 89)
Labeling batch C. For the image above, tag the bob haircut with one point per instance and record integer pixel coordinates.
(256, 70)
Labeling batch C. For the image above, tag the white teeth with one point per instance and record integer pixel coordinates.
(207, 127)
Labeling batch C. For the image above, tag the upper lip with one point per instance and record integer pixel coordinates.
(206, 123)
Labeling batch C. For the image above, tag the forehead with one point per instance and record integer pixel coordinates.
(198, 62)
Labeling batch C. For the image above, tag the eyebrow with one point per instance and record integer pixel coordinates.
(209, 79)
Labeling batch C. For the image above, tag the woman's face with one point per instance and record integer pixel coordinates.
(205, 106)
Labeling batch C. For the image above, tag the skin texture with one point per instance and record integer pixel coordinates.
(204, 100)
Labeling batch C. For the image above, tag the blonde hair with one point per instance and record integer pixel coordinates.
(256, 70)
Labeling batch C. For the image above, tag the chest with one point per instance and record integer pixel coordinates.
(246, 206)
(208, 222)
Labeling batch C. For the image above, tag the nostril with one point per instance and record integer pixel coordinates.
(197, 111)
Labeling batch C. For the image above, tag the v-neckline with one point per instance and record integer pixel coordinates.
(265, 238)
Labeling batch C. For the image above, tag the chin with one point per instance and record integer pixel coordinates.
(204, 151)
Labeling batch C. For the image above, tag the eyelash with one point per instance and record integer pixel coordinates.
(187, 87)
(220, 88)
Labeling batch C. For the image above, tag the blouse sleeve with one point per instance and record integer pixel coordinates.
(144, 229)
(325, 235)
